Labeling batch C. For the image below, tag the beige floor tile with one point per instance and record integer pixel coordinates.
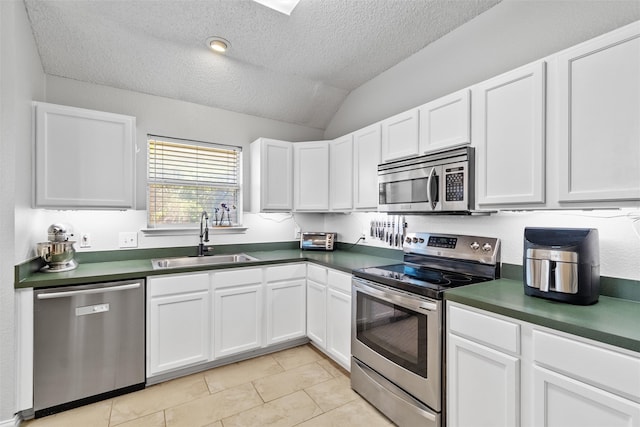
(333, 368)
(158, 397)
(286, 411)
(278, 385)
(297, 356)
(207, 410)
(354, 414)
(332, 394)
(228, 376)
(94, 415)
(152, 420)
(216, 424)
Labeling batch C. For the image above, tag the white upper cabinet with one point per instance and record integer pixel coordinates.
(400, 136)
(84, 159)
(446, 122)
(271, 175)
(509, 135)
(311, 176)
(598, 118)
(366, 157)
(341, 176)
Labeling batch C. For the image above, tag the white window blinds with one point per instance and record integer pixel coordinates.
(188, 177)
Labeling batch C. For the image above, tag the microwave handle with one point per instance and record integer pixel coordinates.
(430, 196)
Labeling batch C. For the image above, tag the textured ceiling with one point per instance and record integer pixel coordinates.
(296, 69)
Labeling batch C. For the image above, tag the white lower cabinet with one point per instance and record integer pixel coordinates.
(339, 326)
(483, 384)
(317, 312)
(329, 312)
(339, 317)
(562, 401)
(502, 371)
(317, 305)
(178, 323)
(237, 311)
(194, 319)
(285, 303)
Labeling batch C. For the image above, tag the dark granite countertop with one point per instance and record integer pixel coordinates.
(611, 320)
(123, 269)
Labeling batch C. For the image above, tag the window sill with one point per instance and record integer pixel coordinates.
(192, 231)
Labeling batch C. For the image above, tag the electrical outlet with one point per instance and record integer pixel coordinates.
(363, 236)
(297, 232)
(85, 240)
(128, 239)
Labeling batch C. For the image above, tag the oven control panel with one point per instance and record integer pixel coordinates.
(474, 248)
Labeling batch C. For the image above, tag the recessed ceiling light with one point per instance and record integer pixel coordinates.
(282, 6)
(218, 44)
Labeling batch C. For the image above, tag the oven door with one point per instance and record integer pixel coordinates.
(399, 335)
(413, 188)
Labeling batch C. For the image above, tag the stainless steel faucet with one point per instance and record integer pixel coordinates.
(204, 232)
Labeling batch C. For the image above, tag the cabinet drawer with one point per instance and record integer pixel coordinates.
(177, 284)
(285, 272)
(226, 278)
(340, 281)
(494, 332)
(317, 274)
(601, 367)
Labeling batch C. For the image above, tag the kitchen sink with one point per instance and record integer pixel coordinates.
(193, 261)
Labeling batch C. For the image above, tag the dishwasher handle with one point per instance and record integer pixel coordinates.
(100, 290)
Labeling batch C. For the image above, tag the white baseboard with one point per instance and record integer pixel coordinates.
(14, 422)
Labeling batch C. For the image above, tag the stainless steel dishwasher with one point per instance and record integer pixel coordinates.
(89, 344)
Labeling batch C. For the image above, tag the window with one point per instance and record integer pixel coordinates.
(188, 177)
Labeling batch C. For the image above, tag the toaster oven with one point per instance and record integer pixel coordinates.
(318, 241)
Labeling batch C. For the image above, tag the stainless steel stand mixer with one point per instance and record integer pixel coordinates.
(58, 252)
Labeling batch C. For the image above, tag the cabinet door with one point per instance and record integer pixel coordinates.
(560, 401)
(271, 175)
(509, 133)
(483, 385)
(286, 314)
(311, 176)
(83, 158)
(339, 326)
(366, 157)
(446, 122)
(178, 321)
(400, 136)
(317, 312)
(598, 125)
(178, 331)
(341, 176)
(237, 314)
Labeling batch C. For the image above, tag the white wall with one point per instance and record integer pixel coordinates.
(21, 81)
(167, 117)
(619, 232)
(512, 33)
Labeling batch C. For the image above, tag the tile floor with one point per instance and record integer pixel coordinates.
(294, 387)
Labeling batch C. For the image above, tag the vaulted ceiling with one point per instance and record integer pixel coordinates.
(296, 68)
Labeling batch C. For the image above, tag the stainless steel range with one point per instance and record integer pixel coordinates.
(397, 346)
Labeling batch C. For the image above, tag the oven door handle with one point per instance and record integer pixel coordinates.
(388, 295)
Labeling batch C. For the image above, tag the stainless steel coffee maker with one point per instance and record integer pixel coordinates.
(562, 264)
(58, 252)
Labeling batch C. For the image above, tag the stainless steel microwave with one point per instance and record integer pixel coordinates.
(319, 241)
(440, 182)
